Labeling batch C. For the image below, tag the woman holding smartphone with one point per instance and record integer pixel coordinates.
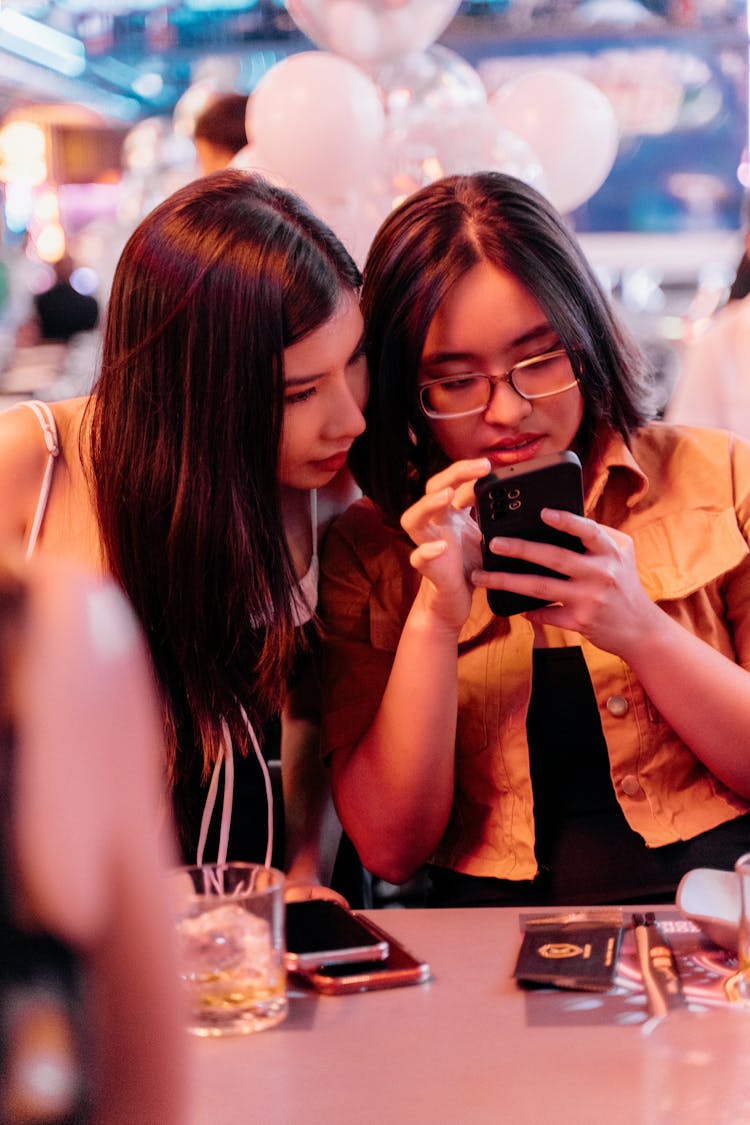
(592, 750)
(202, 474)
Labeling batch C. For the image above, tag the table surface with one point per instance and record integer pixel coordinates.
(469, 1046)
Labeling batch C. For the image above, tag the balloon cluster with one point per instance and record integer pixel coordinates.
(380, 109)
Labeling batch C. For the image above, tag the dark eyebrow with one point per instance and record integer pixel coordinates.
(314, 376)
(434, 359)
(535, 334)
(301, 379)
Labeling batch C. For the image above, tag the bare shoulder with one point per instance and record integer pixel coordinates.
(25, 447)
(22, 444)
(23, 457)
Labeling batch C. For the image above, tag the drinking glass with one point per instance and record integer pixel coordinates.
(229, 921)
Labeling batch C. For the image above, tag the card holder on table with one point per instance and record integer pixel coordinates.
(577, 950)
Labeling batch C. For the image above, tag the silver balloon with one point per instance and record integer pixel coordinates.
(422, 148)
(430, 81)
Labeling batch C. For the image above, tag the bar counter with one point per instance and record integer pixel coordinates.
(469, 1047)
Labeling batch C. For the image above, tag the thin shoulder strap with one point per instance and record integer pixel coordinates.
(47, 421)
(226, 759)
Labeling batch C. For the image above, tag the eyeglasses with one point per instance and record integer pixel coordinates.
(457, 396)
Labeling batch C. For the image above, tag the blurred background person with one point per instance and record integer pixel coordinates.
(713, 387)
(55, 345)
(220, 132)
(89, 1006)
(62, 311)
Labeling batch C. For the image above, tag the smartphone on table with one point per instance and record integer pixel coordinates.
(323, 932)
(399, 968)
(509, 502)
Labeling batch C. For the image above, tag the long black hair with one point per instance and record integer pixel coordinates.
(185, 427)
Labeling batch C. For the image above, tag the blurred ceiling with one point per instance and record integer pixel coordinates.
(129, 59)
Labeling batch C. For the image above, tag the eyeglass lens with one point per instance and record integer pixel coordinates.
(465, 394)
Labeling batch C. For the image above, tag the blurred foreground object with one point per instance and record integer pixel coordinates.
(88, 1008)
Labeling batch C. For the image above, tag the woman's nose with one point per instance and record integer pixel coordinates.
(506, 407)
(348, 417)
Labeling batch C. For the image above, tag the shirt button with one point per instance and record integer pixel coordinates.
(630, 785)
(618, 706)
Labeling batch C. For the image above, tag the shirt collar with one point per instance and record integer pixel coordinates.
(612, 456)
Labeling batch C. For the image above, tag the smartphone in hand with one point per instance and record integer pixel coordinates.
(321, 931)
(509, 502)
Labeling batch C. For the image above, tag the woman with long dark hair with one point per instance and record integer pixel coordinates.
(202, 473)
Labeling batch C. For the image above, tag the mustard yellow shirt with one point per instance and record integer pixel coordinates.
(683, 495)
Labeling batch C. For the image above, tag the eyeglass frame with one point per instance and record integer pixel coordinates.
(494, 380)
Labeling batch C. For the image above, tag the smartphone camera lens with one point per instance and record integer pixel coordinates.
(498, 503)
(514, 505)
(513, 493)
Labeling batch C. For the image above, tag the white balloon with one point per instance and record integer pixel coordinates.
(250, 159)
(353, 216)
(569, 123)
(317, 121)
(371, 32)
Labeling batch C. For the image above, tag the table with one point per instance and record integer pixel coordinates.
(469, 1047)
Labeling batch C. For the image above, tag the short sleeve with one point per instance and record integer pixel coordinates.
(367, 587)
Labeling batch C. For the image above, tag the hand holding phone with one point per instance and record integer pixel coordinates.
(509, 502)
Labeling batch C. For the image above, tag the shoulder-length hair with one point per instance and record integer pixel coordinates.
(421, 250)
(185, 427)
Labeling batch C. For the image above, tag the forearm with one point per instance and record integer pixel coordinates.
(394, 787)
(704, 697)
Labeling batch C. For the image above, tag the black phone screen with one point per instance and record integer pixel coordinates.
(319, 927)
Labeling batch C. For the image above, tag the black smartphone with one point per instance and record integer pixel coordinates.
(509, 502)
(399, 968)
(320, 932)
